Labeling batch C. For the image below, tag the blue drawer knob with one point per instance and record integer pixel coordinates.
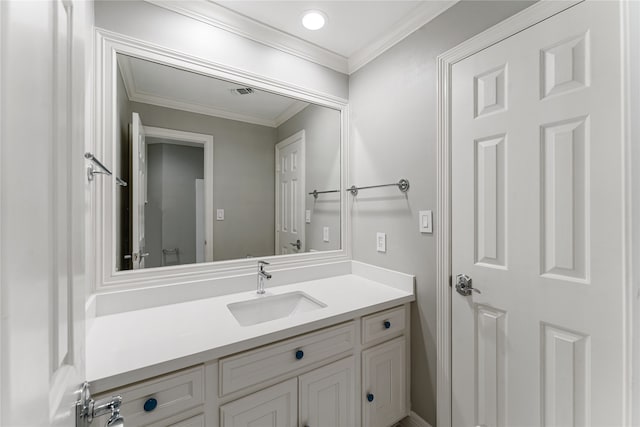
(299, 354)
(150, 404)
(370, 397)
(386, 324)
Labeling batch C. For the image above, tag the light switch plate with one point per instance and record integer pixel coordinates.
(325, 234)
(307, 216)
(381, 242)
(425, 219)
(220, 214)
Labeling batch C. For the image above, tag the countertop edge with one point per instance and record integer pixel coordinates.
(103, 385)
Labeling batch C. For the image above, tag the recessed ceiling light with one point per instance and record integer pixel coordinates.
(314, 19)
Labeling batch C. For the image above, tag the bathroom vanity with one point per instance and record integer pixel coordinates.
(189, 343)
(344, 362)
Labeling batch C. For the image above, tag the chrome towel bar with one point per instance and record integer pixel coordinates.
(91, 171)
(315, 193)
(403, 185)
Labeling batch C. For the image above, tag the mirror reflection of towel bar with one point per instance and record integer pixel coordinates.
(170, 251)
(315, 193)
(91, 171)
(403, 186)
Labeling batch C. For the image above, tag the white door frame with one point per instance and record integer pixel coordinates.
(528, 17)
(205, 141)
(300, 135)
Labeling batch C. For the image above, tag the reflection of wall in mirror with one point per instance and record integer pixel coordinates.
(242, 178)
(322, 139)
(243, 182)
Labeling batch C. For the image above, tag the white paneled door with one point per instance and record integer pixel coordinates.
(537, 225)
(44, 66)
(138, 191)
(290, 197)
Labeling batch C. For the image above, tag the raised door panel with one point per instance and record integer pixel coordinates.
(384, 398)
(275, 406)
(327, 395)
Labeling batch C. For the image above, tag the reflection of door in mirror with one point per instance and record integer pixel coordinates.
(139, 193)
(247, 123)
(290, 194)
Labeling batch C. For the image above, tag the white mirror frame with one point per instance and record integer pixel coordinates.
(102, 234)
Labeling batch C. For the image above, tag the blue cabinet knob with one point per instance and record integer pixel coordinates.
(299, 354)
(370, 397)
(386, 324)
(150, 404)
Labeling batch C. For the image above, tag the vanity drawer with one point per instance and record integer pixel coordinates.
(265, 363)
(386, 324)
(163, 397)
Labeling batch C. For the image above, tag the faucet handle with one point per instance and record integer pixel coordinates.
(261, 263)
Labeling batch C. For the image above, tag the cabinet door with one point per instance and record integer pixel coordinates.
(327, 395)
(275, 406)
(384, 376)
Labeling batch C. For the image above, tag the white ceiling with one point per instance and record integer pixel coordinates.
(356, 31)
(157, 84)
(351, 26)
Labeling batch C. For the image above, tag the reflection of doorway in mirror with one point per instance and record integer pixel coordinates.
(178, 207)
(290, 194)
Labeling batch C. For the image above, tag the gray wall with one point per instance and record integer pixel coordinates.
(243, 181)
(154, 24)
(170, 220)
(393, 136)
(153, 210)
(322, 145)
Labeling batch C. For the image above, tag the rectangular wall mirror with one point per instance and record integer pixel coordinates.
(219, 171)
(223, 167)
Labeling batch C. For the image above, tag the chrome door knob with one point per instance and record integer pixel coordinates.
(464, 285)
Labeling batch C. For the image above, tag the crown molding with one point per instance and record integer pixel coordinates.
(423, 14)
(225, 19)
(294, 109)
(228, 20)
(136, 95)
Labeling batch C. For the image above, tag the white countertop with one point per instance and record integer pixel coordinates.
(126, 347)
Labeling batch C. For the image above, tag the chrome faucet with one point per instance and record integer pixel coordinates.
(262, 274)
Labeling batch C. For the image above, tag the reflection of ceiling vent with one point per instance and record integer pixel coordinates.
(242, 91)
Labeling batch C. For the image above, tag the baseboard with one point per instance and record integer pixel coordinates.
(413, 420)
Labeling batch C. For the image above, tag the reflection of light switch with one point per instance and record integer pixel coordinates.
(425, 221)
(220, 214)
(381, 242)
(307, 216)
(325, 234)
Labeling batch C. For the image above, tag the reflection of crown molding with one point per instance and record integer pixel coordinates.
(134, 95)
(423, 14)
(225, 19)
(197, 108)
(228, 20)
(294, 109)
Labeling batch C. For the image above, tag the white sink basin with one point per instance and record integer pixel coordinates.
(265, 308)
